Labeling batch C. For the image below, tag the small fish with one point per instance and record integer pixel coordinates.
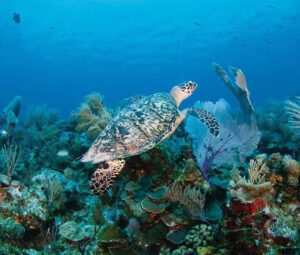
(271, 6)
(16, 17)
(197, 24)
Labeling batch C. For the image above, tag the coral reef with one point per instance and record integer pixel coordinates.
(236, 194)
(200, 235)
(192, 198)
(277, 136)
(293, 170)
(235, 141)
(293, 110)
(255, 187)
(92, 116)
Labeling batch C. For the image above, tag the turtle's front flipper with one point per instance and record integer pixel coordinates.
(205, 117)
(105, 174)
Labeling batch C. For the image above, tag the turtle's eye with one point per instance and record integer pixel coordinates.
(188, 87)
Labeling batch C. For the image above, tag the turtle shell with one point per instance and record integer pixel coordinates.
(136, 129)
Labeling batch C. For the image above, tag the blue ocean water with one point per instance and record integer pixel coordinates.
(64, 49)
(112, 180)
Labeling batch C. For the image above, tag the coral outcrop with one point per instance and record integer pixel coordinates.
(237, 194)
(92, 116)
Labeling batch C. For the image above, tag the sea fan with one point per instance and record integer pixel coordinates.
(293, 110)
(235, 141)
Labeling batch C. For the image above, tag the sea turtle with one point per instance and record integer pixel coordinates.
(138, 128)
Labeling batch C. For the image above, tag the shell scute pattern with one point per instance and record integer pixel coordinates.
(138, 127)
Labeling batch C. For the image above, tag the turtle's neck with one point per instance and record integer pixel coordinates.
(177, 94)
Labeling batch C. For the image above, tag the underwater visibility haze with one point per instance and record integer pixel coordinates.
(149, 127)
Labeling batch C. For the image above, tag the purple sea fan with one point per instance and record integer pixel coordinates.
(234, 142)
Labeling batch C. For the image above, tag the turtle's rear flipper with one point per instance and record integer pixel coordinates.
(206, 118)
(104, 176)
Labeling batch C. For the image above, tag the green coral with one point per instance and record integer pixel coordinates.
(11, 229)
(285, 226)
(200, 235)
(71, 231)
(179, 251)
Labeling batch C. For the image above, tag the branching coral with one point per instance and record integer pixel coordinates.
(92, 116)
(256, 171)
(11, 157)
(191, 197)
(255, 187)
(54, 190)
(293, 110)
(293, 169)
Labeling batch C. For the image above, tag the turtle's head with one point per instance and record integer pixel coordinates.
(183, 91)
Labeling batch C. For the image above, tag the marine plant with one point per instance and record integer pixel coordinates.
(255, 187)
(293, 110)
(277, 136)
(54, 190)
(92, 116)
(11, 157)
(193, 198)
(252, 222)
(236, 140)
(10, 229)
(239, 136)
(292, 167)
(38, 137)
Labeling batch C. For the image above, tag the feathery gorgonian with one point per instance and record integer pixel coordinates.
(293, 110)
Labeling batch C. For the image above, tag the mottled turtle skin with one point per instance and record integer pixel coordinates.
(137, 128)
